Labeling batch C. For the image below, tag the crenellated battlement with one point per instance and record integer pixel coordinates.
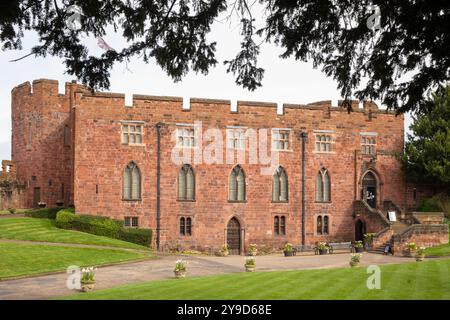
(48, 87)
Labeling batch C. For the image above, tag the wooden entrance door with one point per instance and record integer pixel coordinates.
(360, 230)
(234, 236)
(369, 189)
(36, 197)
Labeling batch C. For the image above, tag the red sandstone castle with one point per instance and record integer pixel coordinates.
(335, 179)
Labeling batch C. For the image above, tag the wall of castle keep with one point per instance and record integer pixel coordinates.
(91, 166)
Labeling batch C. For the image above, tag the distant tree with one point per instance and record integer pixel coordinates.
(427, 151)
(351, 41)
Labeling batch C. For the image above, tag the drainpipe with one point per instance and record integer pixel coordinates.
(304, 137)
(158, 185)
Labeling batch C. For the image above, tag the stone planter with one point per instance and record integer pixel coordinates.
(252, 253)
(420, 258)
(288, 253)
(411, 253)
(59, 203)
(359, 249)
(42, 205)
(354, 264)
(87, 286)
(323, 251)
(250, 268)
(180, 274)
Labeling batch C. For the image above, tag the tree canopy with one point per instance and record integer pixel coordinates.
(427, 151)
(399, 61)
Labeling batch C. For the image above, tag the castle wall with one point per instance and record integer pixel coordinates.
(100, 159)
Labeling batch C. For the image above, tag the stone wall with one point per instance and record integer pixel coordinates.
(423, 235)
(12, 191)
(90, 166)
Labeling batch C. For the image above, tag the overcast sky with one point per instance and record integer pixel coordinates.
(285, 81)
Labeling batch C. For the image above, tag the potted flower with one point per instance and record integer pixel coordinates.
(322, 247)
(42, 204)
(420, 254)
(225, 250)
(288, 250)
(412, 248)
(87, 279)
(252, 250)
(250, 264)
(355, 258)
(180, 268)
(358, 246)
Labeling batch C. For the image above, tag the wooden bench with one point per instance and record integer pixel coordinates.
(339, 246)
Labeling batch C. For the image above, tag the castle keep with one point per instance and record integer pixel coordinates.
(92, 151)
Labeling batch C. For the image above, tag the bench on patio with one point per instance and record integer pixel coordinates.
(339, 246)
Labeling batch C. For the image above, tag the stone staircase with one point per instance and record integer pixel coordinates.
(379, 249)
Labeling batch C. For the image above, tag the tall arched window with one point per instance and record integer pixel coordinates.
(280, 186)
(319, 225)
(323, 186)
(186, 183)
(132, 182)
(237, 185)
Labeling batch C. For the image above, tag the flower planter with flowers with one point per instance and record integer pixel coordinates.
(250, 264)
(411, 249)
(252, 250)
(355, 258)
(420, 254)
(225, 250)
(288, 250)
(42, 204)
(87, 279)
(180, 269)
(359, 247)
(368, 241)
(322, 248)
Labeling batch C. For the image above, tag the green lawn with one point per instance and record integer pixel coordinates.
(417, 280)
(24, 259)
(44, 230)
(442, 250)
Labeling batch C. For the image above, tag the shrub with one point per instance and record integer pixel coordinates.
(44, 213)
(12, 210)
(138, 236)
(65, 218)
(429, 205)
(102, 226)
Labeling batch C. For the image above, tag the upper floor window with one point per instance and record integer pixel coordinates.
(280, 186)
(236, 139)
(132, 133)
(323, 143)
(186, 136)
(368, 145)
(132, 182)
(280, 139)
(323, 186)
(186, 183)
(237, 185)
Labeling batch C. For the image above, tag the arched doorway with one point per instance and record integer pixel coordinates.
(360, 230)
(369, 189)
(234, 236)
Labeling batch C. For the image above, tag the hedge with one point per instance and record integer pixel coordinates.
(44, 213)
(102, 226)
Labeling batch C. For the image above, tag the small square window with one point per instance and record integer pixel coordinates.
(280, 139)
(132, 134)
(134, 221)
